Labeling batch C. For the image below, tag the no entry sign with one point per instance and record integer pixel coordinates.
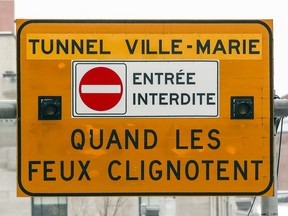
(146, 88)
(101, 89)
(145, 107)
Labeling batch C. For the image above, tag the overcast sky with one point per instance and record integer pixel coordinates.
(179, 9)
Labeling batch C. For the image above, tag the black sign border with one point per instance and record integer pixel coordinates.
(132, 21)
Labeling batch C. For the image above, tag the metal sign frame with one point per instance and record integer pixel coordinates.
(234, 114)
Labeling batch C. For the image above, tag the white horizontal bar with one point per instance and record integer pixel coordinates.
(101, 89)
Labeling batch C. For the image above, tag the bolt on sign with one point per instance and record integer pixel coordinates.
(130, 107)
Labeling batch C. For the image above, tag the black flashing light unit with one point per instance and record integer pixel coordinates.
(49, 108)
(242, 107)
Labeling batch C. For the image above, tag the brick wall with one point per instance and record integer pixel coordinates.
(6, 15)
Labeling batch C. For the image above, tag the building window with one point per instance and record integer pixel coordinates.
(149, 206)
(49, 206)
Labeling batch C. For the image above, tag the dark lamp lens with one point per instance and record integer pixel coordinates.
(244, 108)
(50, 109)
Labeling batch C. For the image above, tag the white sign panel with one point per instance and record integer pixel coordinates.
(145, 88)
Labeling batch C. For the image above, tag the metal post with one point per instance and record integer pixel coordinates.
(143, 209)
(269, 205)
(7, 109)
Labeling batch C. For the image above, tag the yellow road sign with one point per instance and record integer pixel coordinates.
(144, 107)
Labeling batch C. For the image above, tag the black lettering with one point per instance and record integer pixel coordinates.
(84, 170)
(190, 77)
(134, 139)
(185, 98)
(200, 97)
(142, 99)
(158, 172)
(242, 171)
(143, 46)
(219, 47)
(33, 41)
(252, 46)
(48, 170)
(169, 78)
(196, 172)
(147, 78)
(78, 145)
(153, 97)
(111, 176)
(100, 139)
(114, 139)
(234, 45)
(178, 141)
(256, 162)
(162, 99)
(101, 47)
(146, 139)
(244, 46)
(158, 77)
(174, 97)
(62, 168)
(142, 170)
(80, 47)
(135, 78)
(128, 172)
(50, 45)
(131, 49)
(179, 77)
(148, 46)
(176, 171)
(221, 169)
(175, 46)
(210, 99)
(207, 163)
(90, 45)
(201, 48)
(213, 138)
(194, 138)
(31, 169)
(161, 51)
(64, 47)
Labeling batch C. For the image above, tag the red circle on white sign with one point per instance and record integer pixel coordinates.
(101, 88)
